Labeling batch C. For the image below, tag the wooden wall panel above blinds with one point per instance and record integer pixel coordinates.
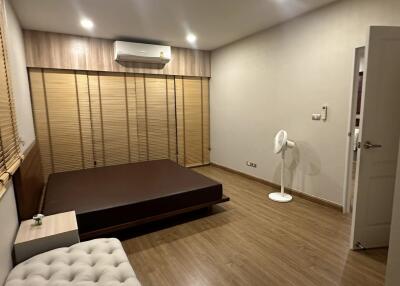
(93, 54)
(89, 119)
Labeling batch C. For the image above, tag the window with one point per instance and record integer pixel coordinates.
(93, 119)
(9, 143)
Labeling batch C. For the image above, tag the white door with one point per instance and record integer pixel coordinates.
(379, 138)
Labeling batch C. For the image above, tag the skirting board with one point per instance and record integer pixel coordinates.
(288, 190)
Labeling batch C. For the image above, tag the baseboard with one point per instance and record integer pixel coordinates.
(288, 190)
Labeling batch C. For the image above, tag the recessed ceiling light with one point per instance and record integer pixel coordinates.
(191, 38)
(87, 24)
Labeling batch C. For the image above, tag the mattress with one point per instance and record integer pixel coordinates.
(107, 196)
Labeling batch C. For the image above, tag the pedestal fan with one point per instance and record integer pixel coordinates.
(281, 144)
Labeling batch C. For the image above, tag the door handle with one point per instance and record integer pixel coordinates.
(369, 145)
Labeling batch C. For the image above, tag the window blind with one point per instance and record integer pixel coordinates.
(112, 94)
(205, 106)
(9, 141)
(90, 119)
(193, 121)
(63, 117)
(157, 117)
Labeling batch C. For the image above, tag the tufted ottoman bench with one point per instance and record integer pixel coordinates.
(96, 262)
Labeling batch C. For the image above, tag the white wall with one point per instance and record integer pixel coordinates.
(9, 226)
(277, 78)
(393, 264)
(19, 78)
(20, 86)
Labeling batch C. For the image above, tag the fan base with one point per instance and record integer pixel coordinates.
(279, 197)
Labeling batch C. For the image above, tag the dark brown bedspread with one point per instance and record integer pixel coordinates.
(106, 196)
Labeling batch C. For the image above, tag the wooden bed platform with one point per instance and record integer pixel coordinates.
(107, 199)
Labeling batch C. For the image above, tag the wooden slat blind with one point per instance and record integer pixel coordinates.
(141, 112)
(115, 121)
(193, 121)
(88, 119)
(39, 107)
(171, 118)
(132, 118)
(157, 117)
(96, 119)
(9, 141)
(205, 120)
(64, 128)
(85, 119)
(180, 119)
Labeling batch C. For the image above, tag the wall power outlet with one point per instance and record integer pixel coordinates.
(251, 164)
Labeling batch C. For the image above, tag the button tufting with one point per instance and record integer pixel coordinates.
(72, 277)
(47, 277)
(108, 256)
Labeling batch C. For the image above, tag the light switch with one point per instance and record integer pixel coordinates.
(324, 115)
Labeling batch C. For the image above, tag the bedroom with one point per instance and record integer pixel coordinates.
(232, 82)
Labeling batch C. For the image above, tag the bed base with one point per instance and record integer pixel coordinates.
(107, 230)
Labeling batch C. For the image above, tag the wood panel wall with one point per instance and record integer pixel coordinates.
(89, 119)
(29, 184)
(61, 51)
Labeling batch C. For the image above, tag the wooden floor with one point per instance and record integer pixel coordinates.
(252, 241)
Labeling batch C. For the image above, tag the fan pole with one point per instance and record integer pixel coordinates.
(282, 172)
(281, 197)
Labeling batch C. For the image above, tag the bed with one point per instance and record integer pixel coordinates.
(107, 199)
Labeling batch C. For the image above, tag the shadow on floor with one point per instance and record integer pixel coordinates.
(171, 222)
(357, 261)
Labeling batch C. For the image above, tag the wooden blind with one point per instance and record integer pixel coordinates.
(88, 119)
(205, 109)
(180, 119)
(9, 141)
(157, 117)
(96, 119)
(63, 116)
(85, 120)
(193, 121)
(113, 97)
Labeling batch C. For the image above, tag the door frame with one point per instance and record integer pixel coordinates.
(358, 55)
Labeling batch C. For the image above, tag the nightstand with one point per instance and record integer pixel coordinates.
(59, 230)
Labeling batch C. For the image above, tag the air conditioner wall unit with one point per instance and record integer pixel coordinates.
(141, 53)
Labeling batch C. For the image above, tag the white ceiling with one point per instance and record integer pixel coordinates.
(215, 22)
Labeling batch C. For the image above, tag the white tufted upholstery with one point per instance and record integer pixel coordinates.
(98, 262)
